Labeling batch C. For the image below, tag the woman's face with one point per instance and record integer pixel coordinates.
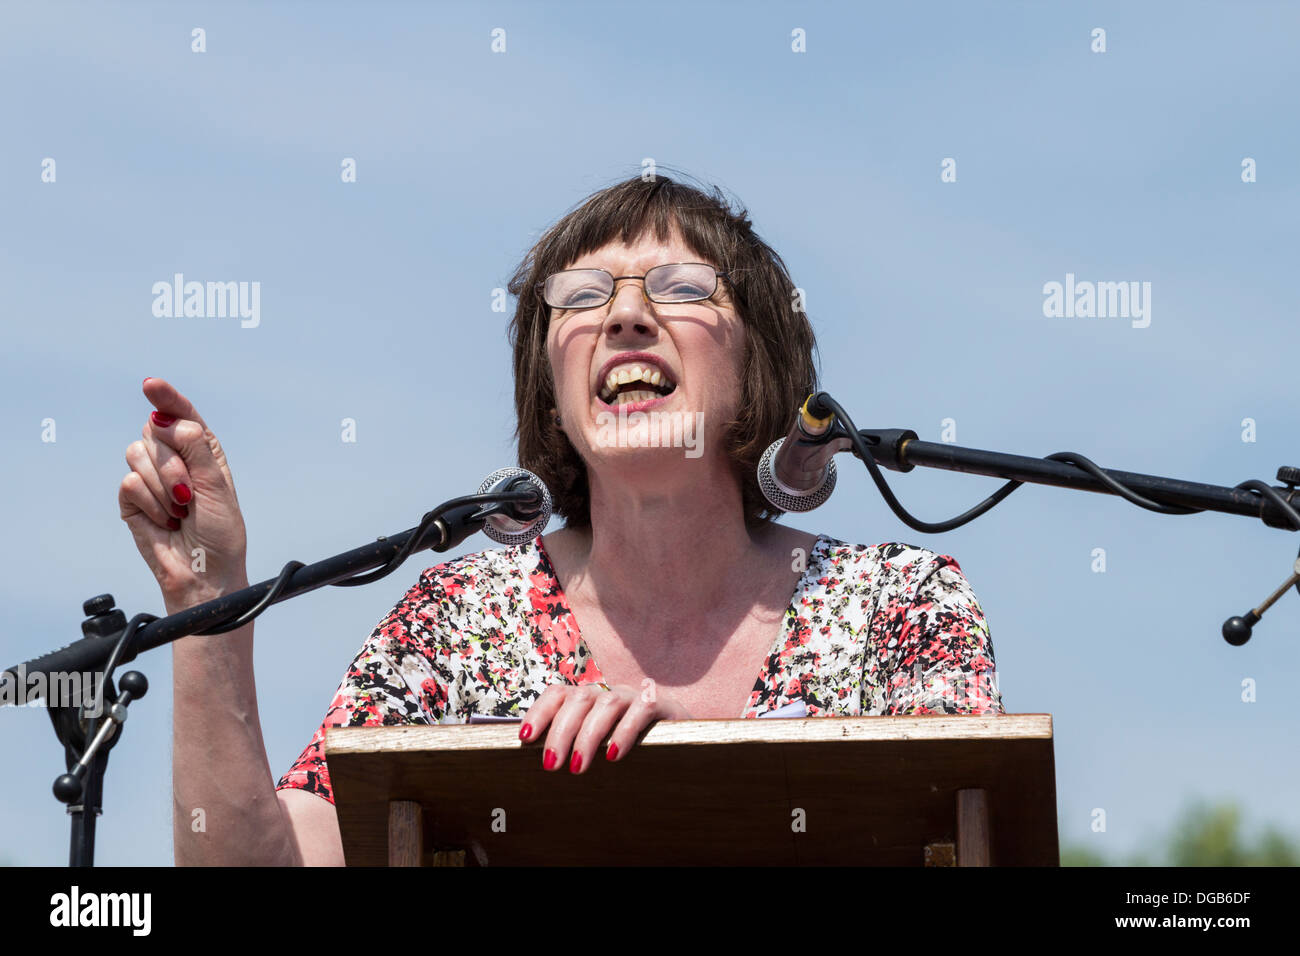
(691, 351)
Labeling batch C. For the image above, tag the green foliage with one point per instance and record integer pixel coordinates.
(1081, 856)
(1203, 835)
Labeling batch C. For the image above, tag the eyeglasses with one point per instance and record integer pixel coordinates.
(668, 283)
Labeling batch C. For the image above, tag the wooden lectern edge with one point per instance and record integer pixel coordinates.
(407, 737)
(983, 811)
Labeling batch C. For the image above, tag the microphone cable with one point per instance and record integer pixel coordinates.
(846, 429)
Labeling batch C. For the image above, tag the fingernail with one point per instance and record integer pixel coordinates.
(525, 731)
(146, 380)
(612, 752)
(161, 420)
(576, 763)
(181, 491)
(180, 511)
(549, 760)
(173, 524)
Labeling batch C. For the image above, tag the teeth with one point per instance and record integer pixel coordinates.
(635, 395)
(632, 373)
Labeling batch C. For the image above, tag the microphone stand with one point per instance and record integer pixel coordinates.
(88, 731)
(900, 449)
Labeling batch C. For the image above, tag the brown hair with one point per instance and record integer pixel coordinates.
(778, 371)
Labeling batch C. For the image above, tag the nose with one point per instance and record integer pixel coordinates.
(631, 313)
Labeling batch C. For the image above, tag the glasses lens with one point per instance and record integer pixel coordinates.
(578, 288)
(681, 282)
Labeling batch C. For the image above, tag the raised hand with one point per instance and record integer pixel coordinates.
(179, 502)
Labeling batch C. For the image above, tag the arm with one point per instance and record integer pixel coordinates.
(315, 827)
(226, 810)
(178, 497)
(941, 661)
(229, 810)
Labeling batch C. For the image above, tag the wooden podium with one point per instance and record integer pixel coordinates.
(878, 791)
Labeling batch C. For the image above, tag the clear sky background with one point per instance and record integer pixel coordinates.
(926, 298)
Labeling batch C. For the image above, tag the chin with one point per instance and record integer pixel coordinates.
(655, 431)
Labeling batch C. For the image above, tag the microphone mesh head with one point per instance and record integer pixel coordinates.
(506, 530)
(788, 499)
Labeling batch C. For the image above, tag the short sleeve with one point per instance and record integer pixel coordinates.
(940, 652)
(378, 687)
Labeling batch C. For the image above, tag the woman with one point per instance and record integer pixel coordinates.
(684, 587)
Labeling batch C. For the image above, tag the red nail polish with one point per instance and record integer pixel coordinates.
(161, 420)
(182, 492)
(525, 731)
(146, 380)
(612, 752)
(173, 524)
(549, 760)
(180, 511)
(576, 763)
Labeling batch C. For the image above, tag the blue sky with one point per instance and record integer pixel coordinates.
(926, 298)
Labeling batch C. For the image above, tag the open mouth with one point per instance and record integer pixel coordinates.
(635, 382)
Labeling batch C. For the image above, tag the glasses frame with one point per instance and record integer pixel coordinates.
(717, 274)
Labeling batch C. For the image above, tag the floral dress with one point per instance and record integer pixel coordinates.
(886, 629)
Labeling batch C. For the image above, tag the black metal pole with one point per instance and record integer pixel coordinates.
(900, 450)
(85, 814)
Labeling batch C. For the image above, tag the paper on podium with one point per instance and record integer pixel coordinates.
(796, 708)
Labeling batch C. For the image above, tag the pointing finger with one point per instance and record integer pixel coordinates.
(169, 401)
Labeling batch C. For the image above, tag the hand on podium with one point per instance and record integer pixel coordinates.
(581, 716)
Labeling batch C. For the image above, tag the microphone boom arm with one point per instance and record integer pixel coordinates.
(900, 449)
(90, 726)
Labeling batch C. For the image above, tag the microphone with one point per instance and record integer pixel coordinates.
(515, 522)
(797, 473)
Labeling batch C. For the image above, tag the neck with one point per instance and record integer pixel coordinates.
(687, 541)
